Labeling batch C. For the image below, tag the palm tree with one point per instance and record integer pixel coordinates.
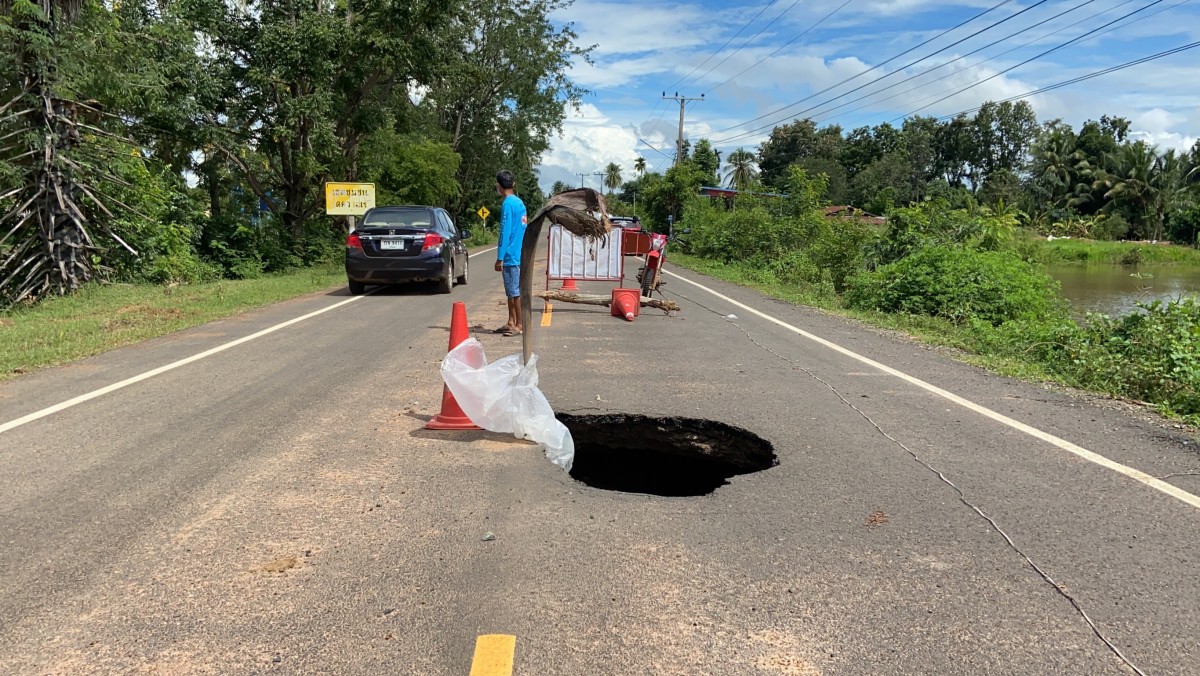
(558, 187)
(1150, 183)
(741, 171)
(48, 248)
(1055, 163)
(612, 177)
(639, 165)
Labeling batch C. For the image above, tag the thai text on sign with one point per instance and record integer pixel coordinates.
(349, 199)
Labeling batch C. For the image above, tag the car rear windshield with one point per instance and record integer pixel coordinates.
(405, 218)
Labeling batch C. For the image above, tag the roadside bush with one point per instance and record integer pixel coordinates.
(748, 234)
(958, 283)
(324, 243)
(797, 268)
(234, 246)
(159, 220)
(931, 224)
(839, 249)
(912, 228)
(1152, 355)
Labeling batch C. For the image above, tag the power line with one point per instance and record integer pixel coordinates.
(1033, 58)
(947, 63)
(901, 68)
(718, 50)
(647, 143)
(781, 47)
(660, 115)
(872, 68)
(1082, 78)
(752, 38)
(990, 58)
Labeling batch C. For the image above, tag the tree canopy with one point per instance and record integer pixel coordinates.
(228, 118)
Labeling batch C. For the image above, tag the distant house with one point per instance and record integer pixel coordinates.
(846, 211)
(730, 193)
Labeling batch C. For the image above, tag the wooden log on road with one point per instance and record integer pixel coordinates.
(593, 299)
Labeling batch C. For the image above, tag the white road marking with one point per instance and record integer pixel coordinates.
(1079, 451)
(12, 424)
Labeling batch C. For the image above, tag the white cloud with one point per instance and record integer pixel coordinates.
(1165, 140)
(616, 73)
(631, 28)
(647, 46)
(588, 142)
(1157, 120)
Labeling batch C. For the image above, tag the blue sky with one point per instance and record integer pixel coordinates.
(646, 46)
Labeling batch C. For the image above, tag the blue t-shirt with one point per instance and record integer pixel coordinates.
(512, 230)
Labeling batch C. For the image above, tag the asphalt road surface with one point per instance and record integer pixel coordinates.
(276, 505)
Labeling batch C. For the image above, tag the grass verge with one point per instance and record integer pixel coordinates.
(101, 317)
(1120, 253)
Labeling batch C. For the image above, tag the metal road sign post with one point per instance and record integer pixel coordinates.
(349, 199)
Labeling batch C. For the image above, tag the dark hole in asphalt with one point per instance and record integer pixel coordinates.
(662, 456)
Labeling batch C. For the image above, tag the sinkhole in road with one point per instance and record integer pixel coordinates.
(673, 457)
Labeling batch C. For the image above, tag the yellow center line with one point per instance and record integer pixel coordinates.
(494, 655)
(547, 315)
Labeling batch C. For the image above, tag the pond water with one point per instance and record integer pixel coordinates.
(1115, 289)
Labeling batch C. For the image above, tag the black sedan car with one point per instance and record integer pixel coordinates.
(406, 244)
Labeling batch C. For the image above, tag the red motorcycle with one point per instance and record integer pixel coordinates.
(650, 274)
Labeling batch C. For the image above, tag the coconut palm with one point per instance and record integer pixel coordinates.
(612, 177)
(1146, 182)
(558, 187)
(1055, 164)
(639, 165)
(741, 171)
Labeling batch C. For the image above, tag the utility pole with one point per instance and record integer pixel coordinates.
(682, 105)
(601, 175)
(582, 179)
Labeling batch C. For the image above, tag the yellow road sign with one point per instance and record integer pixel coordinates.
(349, 199)
(483, 213)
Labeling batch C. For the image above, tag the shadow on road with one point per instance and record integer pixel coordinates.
(410, 289)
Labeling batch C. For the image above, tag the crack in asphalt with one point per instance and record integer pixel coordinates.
(961, 495)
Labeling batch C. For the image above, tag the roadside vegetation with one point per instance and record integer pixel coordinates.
(101, 317)
(955, 277)
(144, 142)
(177, 152)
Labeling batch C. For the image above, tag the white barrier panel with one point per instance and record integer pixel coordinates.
(573, 257)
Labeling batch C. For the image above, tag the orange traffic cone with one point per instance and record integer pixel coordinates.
(568, 285)
(452, 416)
(626, 303)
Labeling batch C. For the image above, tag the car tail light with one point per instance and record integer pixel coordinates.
(432, 239)
(353, 242)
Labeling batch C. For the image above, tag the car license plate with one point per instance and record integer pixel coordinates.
(391, 244)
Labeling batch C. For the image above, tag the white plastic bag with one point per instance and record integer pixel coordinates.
(504, 397)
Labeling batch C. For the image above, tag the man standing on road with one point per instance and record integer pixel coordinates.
(508, 253)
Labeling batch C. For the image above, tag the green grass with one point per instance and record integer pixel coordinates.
(481, 235)
(1092, 251)
(101, 317)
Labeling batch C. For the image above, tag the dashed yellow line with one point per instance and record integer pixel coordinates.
(547, 315)
(494, 655)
